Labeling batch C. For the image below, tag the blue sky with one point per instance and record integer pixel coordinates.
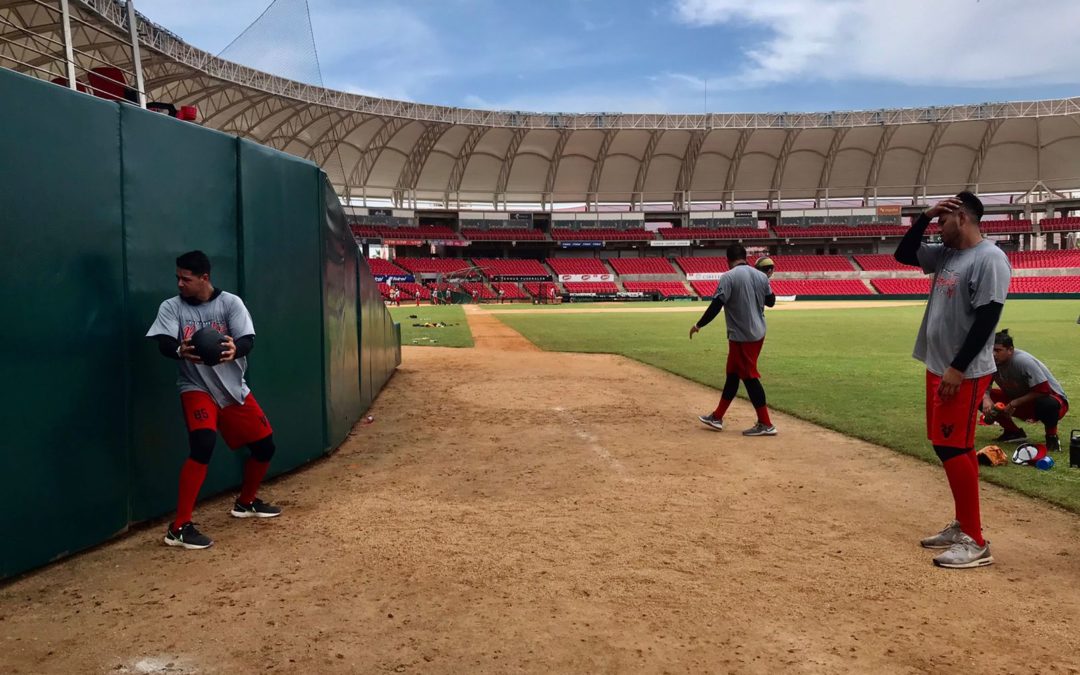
(657, 55)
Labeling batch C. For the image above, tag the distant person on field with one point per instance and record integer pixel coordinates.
(214, 398)
(743, 293)
(955, 341)
(1029, 391)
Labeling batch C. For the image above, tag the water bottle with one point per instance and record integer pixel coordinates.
(1074, 448)
(1046, 463)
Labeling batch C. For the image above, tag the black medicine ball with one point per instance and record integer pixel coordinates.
(207, 343)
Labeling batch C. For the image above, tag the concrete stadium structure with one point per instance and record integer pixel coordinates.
(411, 154)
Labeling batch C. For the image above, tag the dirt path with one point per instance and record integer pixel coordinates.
(700, 307)
(520, 511)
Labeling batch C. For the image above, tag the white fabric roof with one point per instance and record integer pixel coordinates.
(401, 150)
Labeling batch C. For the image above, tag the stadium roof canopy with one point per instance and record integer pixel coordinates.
(410, 152)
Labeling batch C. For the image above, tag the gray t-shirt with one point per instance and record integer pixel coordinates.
(1022, 373)
(964, 280)
(743, 290)
(227, 313)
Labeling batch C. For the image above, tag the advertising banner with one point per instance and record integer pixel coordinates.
(704, 276)
(586, 277)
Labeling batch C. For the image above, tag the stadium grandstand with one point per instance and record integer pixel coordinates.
(626, 205)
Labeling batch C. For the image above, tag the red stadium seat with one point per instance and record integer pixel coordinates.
(1066, 224)
(600, 234)
(494, 268)
(577, 266)
(880, 262)
(503, 234)
(641, 266)
(666, 289)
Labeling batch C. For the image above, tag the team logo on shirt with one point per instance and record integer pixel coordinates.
(946, 430)
(190, 327)
(946, 282)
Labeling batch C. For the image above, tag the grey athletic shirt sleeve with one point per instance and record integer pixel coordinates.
(1022, 373)
(743, 290)
(224, 382)
(963, 281)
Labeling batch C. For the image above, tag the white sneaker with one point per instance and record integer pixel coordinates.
(944, 539)
(965, 554)
(760, 429)
(711, 421)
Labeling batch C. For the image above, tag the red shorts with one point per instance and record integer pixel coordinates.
(1027, 412)
(239, 424)
(951, 422)
(742, 359)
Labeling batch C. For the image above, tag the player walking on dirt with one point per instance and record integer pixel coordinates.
(955, 341)
(743, 293)
(213, 397)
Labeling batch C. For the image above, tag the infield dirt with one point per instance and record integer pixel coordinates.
(511, 510)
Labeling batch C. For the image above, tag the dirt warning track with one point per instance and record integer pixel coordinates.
(511, 510)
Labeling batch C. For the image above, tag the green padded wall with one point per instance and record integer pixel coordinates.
(100, 199)
(180, 194)
(64, 402)
(342, 365)
(281, 210)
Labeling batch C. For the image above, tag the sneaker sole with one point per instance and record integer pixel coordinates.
(711, 425)
(252, 514)
(761, 433)
(184, 544)
(936, 547)
(981, 562)
(1025, 439)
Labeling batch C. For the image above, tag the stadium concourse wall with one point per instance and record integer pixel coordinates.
(96, 201)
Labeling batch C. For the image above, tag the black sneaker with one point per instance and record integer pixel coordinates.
(187, 537)
(256, 509)
(1052, 443)
(1012, 436)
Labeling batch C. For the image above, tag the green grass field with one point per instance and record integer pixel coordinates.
(847, 369)
(455, 334)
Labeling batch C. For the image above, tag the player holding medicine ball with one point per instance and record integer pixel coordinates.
(210, 333)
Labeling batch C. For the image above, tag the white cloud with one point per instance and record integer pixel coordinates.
(911, 42)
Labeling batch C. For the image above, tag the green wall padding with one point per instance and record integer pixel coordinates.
(64, 462)
(339, 320)
(180, 194)
(97, 199)
(280, 193)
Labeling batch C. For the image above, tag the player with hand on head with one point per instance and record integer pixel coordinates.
(970, 282)
(213, 397)
(1029, 391)
(743, 293)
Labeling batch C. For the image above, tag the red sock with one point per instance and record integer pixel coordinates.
(718, 414)
(1051, 431)
(253, 475)
(963, 474)
(192, 475)
(763, 415)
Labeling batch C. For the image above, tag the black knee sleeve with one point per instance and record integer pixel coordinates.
(262, 450)
(201, 442)
(731, 387)
(755, 391)
(1047, 410)
(945, 453)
